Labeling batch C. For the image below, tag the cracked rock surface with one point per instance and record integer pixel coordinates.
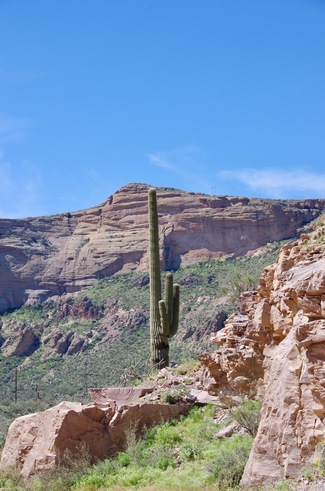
(275, 348)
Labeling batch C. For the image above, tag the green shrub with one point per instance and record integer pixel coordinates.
(165, 434)
(11, 479)
(134, 444)
(174, 395)
(189, 450)
(229, 463)
(124, 459)
(247, 415)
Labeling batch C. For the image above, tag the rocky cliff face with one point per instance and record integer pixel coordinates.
(275, 347)
(45, 256)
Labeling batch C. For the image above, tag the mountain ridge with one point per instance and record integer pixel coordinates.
(42, 257)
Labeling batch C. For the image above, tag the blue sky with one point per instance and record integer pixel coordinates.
(217, 96)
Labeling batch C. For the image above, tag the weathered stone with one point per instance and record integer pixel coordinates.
(24, 343)
(203, 397)
(82, 308)
(275, 348)
(102, 397)
(39, 441)
(227, 431)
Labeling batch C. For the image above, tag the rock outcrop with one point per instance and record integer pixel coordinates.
(82, 309)
(275, 348)
(45, 256)
(25, 342)
(39, 441)
(102, 397)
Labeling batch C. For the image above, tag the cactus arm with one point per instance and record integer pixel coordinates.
(169, 297)
(174, 326)
(163, 319)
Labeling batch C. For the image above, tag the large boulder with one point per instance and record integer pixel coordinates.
(40, 441)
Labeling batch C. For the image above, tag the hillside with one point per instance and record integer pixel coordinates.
(43, 257)
(271, 349)
(82, 326)
(100, 337)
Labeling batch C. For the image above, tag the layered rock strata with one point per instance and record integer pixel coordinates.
(45, 256)
(275, 348)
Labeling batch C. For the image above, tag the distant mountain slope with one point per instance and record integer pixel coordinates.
(45, 256)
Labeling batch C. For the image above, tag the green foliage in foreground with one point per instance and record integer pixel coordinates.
(179, 455)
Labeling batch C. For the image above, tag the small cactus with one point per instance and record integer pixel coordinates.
(164, 313)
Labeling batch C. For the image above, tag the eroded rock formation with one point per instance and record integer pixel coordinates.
(275, 348)
(46, 256)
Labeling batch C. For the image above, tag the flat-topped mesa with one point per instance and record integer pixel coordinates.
(45, 256)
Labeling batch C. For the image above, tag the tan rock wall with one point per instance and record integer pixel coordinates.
(275, 348)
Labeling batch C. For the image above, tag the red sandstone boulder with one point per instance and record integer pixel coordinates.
(39, 441)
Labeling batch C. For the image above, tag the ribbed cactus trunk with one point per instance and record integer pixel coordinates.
(163, 313)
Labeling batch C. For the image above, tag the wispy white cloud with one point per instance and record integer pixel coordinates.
(278, 183)
(185, 162)
(12, 128)
(160, 160)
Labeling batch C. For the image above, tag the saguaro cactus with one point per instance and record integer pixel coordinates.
(164, 313)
